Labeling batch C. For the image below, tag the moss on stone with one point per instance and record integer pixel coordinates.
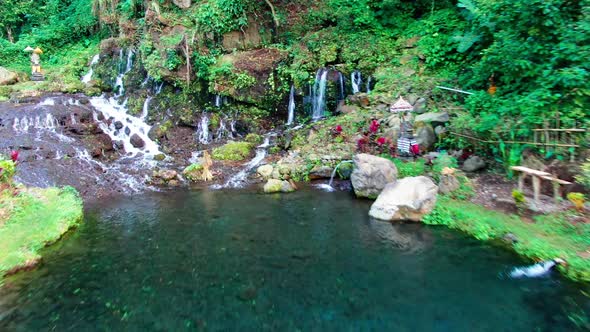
(233, 151)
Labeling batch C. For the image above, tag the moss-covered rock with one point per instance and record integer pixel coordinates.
(276, 186)
(233, 151)
(194, 172)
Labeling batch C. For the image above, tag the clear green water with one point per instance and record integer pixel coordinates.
(310, 261)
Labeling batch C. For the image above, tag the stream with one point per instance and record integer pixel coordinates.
(222, 260)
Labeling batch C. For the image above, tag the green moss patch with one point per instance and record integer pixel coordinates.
(32, 220)
(233, 151)
(545, 238)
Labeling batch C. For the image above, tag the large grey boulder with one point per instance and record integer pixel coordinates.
(433, 117)
(184, 4)
(265, 171)
(425, 137)
(473, 164)
(7, 77)
(371, 174)
(407, 199)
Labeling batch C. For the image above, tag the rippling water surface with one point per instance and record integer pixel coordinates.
(309, 261)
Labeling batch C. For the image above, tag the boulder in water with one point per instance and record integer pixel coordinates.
(118, 125)
(276, 186)
(320, 172)
(137, 141)
(371, 174)
(406, 199)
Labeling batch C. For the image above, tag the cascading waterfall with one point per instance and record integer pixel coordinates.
(319, 94)
(369, 84)
(357, 81)
(23, 124)
(240, 179)
(133, 127)
(86, 78)
(203, 130)
(119, 84)
(291, 116)
(223, 131)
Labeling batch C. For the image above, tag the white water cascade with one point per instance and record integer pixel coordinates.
(357, 81)
(291, 108)
(86, 78)
(203, 130)
(119, 84)
(223, 131)
(132, 127)
(534, 271)
(319, 94)
(369, 84)
(23, 124)
(240, 179)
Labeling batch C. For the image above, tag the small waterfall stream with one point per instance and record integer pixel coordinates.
(342, 94)
(203, 129)
(328, 187)
(319, 94)
(240, 179)
(369, 84)
(119, 81)
(291, 108)
(86, 78)
(357, 81)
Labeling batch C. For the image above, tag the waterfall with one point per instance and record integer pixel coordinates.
(223, 132)
(203, 130)
(291, 116)
(119, 85)
(356, 79)
(240, 179)
(146, 108)
(341, 81)
(120, 126)
(86, 78)
(218, 101)
(319, 94)
(23, 124)
(369, 84)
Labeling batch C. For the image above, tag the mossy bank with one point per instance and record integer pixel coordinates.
(31, 220)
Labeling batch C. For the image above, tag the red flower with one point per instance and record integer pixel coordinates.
(338, 129)
(381, 141)
(374, 126)
(14, 155)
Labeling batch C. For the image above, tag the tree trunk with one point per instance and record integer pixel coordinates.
(9, 34)
(274, 16)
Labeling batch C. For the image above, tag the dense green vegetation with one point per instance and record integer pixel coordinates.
(548, 237)
(533, 52)
(33, 219)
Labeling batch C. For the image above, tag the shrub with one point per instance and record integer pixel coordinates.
(7, 170)
(578, 199)
(584, 177)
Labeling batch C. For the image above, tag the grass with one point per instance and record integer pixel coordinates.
(548, 237)
(32, 220)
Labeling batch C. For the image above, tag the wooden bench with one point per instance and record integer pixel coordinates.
(537, 176)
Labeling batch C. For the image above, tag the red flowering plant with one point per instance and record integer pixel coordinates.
(7, 169)
(338, 134)
(372, 142)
